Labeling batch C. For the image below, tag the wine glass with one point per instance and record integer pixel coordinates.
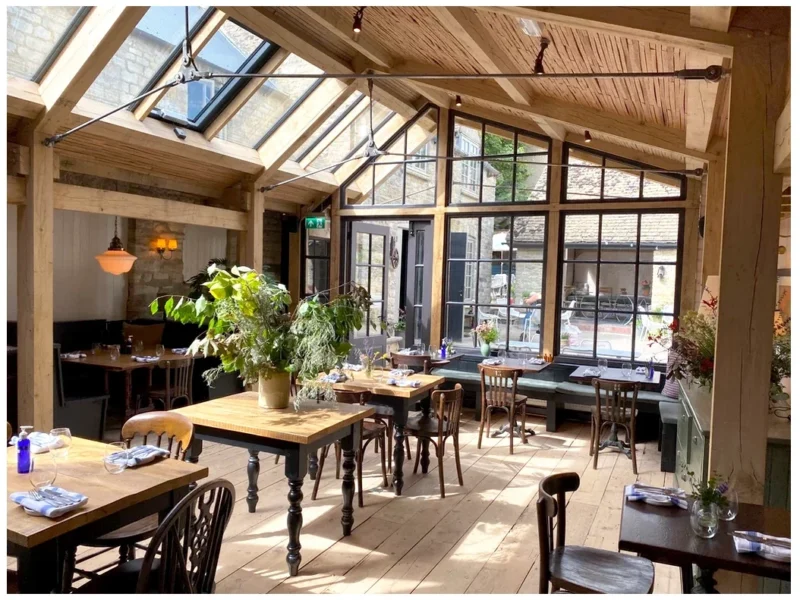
(43, 473)
(63, 438)
(403, 370)
(627, 369)
(138, 347)
(113, 352)
(433, 352)
(501, 354)
(95, 349)
(159, 350)
(602, 364)
(732, 509)
(116, 457)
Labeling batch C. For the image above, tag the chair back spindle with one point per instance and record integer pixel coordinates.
(178, 381)
(448, 410)
(611, 400)
(498, 385)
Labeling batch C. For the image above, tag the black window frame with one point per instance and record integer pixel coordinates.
(604, 157)
(634, 209)
(305, 256)
(289, 111)
(517, 131)
(55, 52)
(510, 262)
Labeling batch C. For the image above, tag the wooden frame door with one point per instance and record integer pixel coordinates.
(418, 287)
(369, 268)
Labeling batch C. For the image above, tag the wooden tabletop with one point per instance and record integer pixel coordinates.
(241, 413)
(522, 364)
(610, 374)
(83, 471)
(125, 361)
(664, 534)
(361, 382)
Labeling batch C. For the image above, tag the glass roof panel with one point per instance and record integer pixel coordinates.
(351, 138)
(142, 56)
(331, 122)
(226, 52)
(274, 100)
(34, 32)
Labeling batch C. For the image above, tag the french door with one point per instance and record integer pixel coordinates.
(418, 287)
(369, 263)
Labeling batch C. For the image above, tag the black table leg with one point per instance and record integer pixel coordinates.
(706, 584)
(296, 465)
(687, 579)
(193, 455)
(253, 468)
(313, 465)
(348, 481)
(39, 569)
(425, 458)
(400, 418)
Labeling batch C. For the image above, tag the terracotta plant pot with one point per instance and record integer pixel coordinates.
(274, 393)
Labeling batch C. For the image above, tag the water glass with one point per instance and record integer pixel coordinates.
(44, 471)
(434, 352)
(113, 352)
(138, 347)
(704, 519)
(732, 509)
(96, 347)
(627, 369)
(403, 370)
(64, 439)
(602, 364)
(501, 354)
(121, 452)
(159, 350)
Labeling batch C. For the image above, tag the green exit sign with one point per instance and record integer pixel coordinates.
(315, 222)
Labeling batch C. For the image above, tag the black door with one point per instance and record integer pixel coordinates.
(418, 288)
(369, 259)
(456, 275)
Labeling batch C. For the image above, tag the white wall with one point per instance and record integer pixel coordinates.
(200, 245)
(82, 290)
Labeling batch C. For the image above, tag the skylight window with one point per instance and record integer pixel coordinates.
(274, 101)
(328, 126)
(353, 137)
(35, 36)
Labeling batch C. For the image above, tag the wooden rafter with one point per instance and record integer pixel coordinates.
(703, 101)
(717, 18)
(100, 35)
(201, 38)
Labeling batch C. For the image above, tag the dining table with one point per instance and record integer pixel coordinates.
(125, 363)
(295, 433)
(581, 375)
(40, 544)
(395, 400)
(664, 534)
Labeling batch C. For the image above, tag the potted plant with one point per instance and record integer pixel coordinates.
(488, 334)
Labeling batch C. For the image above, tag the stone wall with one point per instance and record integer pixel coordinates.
(32, 33)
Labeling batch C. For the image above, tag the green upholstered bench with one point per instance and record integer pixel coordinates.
(668, 439)
(650, 400)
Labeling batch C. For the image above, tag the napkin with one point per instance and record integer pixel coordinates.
(414, 383)
(536, 361)
(764, 550)
(634, 493)
(139, 455)
(44, 508)
(180, 350)
(145, 359)
(349, 367)
(491, 361)
(591, 372)
(333, 378)
(40, 442)
(397, 373)
(73, 355)
(641, 371)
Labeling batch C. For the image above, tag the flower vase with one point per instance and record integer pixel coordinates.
(704, 519)
(274, 392)
(485, 349)
(366, 363)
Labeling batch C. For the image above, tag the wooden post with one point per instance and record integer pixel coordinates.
(35, 290)
(748, 269)
(253, 252)
(295, 285)
(551, 311)
(712, 233)
(690, 243)
(439, 231)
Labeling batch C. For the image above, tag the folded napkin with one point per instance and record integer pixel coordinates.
(672, 496)
(536, 361)
(641, 370)
(40, 442)
(491, 361)
(397, 373)
(409, 352)
(414, 383)
(333, 378)
(44, 507)
(349, 367)
(763, 549)
(145, 359)
(73, 355)
(139, 455)
(591, 372)
(180, 350)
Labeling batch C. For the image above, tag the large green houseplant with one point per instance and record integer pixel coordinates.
(251, 330)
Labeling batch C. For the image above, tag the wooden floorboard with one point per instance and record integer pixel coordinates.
(481, 538)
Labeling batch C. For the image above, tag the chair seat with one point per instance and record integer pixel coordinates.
(500, 399)
(606, 416)
(373, 429)
(121, 579)
(133, 532)
(157, 393)
(589, 570)
(421, 425)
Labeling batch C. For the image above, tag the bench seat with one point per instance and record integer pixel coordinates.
(580, 389)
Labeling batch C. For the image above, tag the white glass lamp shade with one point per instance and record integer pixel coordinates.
(116, 262)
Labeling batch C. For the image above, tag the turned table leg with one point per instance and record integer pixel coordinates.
(348, 481)
(253, 468)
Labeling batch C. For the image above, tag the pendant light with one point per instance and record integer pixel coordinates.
(115, 260)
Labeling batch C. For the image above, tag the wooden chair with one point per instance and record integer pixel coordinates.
(612, 409)
(172, 428)
(177, 383)
(370, 430)
(499, 392)
(417, 362)
(438, 429)
(580, 569)
(182, 557)
(83, 414)
(149, 335)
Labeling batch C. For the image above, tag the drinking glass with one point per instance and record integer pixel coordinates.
(113, 352)
(501, 354)
(602, 364)
(96, 348)
(159, 350)
(627, 369)
(44, 472)
(704, 519)
(138, 346)
(111, 449)
(64, 438)
(404, 371)
(433, 352)
(729, 512)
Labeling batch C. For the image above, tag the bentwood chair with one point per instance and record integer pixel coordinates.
(580, 569)
(416, 362)
(613, 410)
(499, 392)
(177, 384)
(182, 557)
(440, 426)
(161, 427)
(371, 430)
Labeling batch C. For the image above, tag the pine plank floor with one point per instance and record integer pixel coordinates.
(481, 538)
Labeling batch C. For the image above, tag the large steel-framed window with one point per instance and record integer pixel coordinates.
(329, 125)
(618, 283)
(315, 261)
(516, 171)
(620, 180)
(495, 273)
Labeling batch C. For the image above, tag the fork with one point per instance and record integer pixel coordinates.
(49, 497)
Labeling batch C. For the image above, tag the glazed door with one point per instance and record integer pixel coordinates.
(369, 261)
(418, 288)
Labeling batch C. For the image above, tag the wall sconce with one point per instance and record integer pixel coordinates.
(162, 245)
